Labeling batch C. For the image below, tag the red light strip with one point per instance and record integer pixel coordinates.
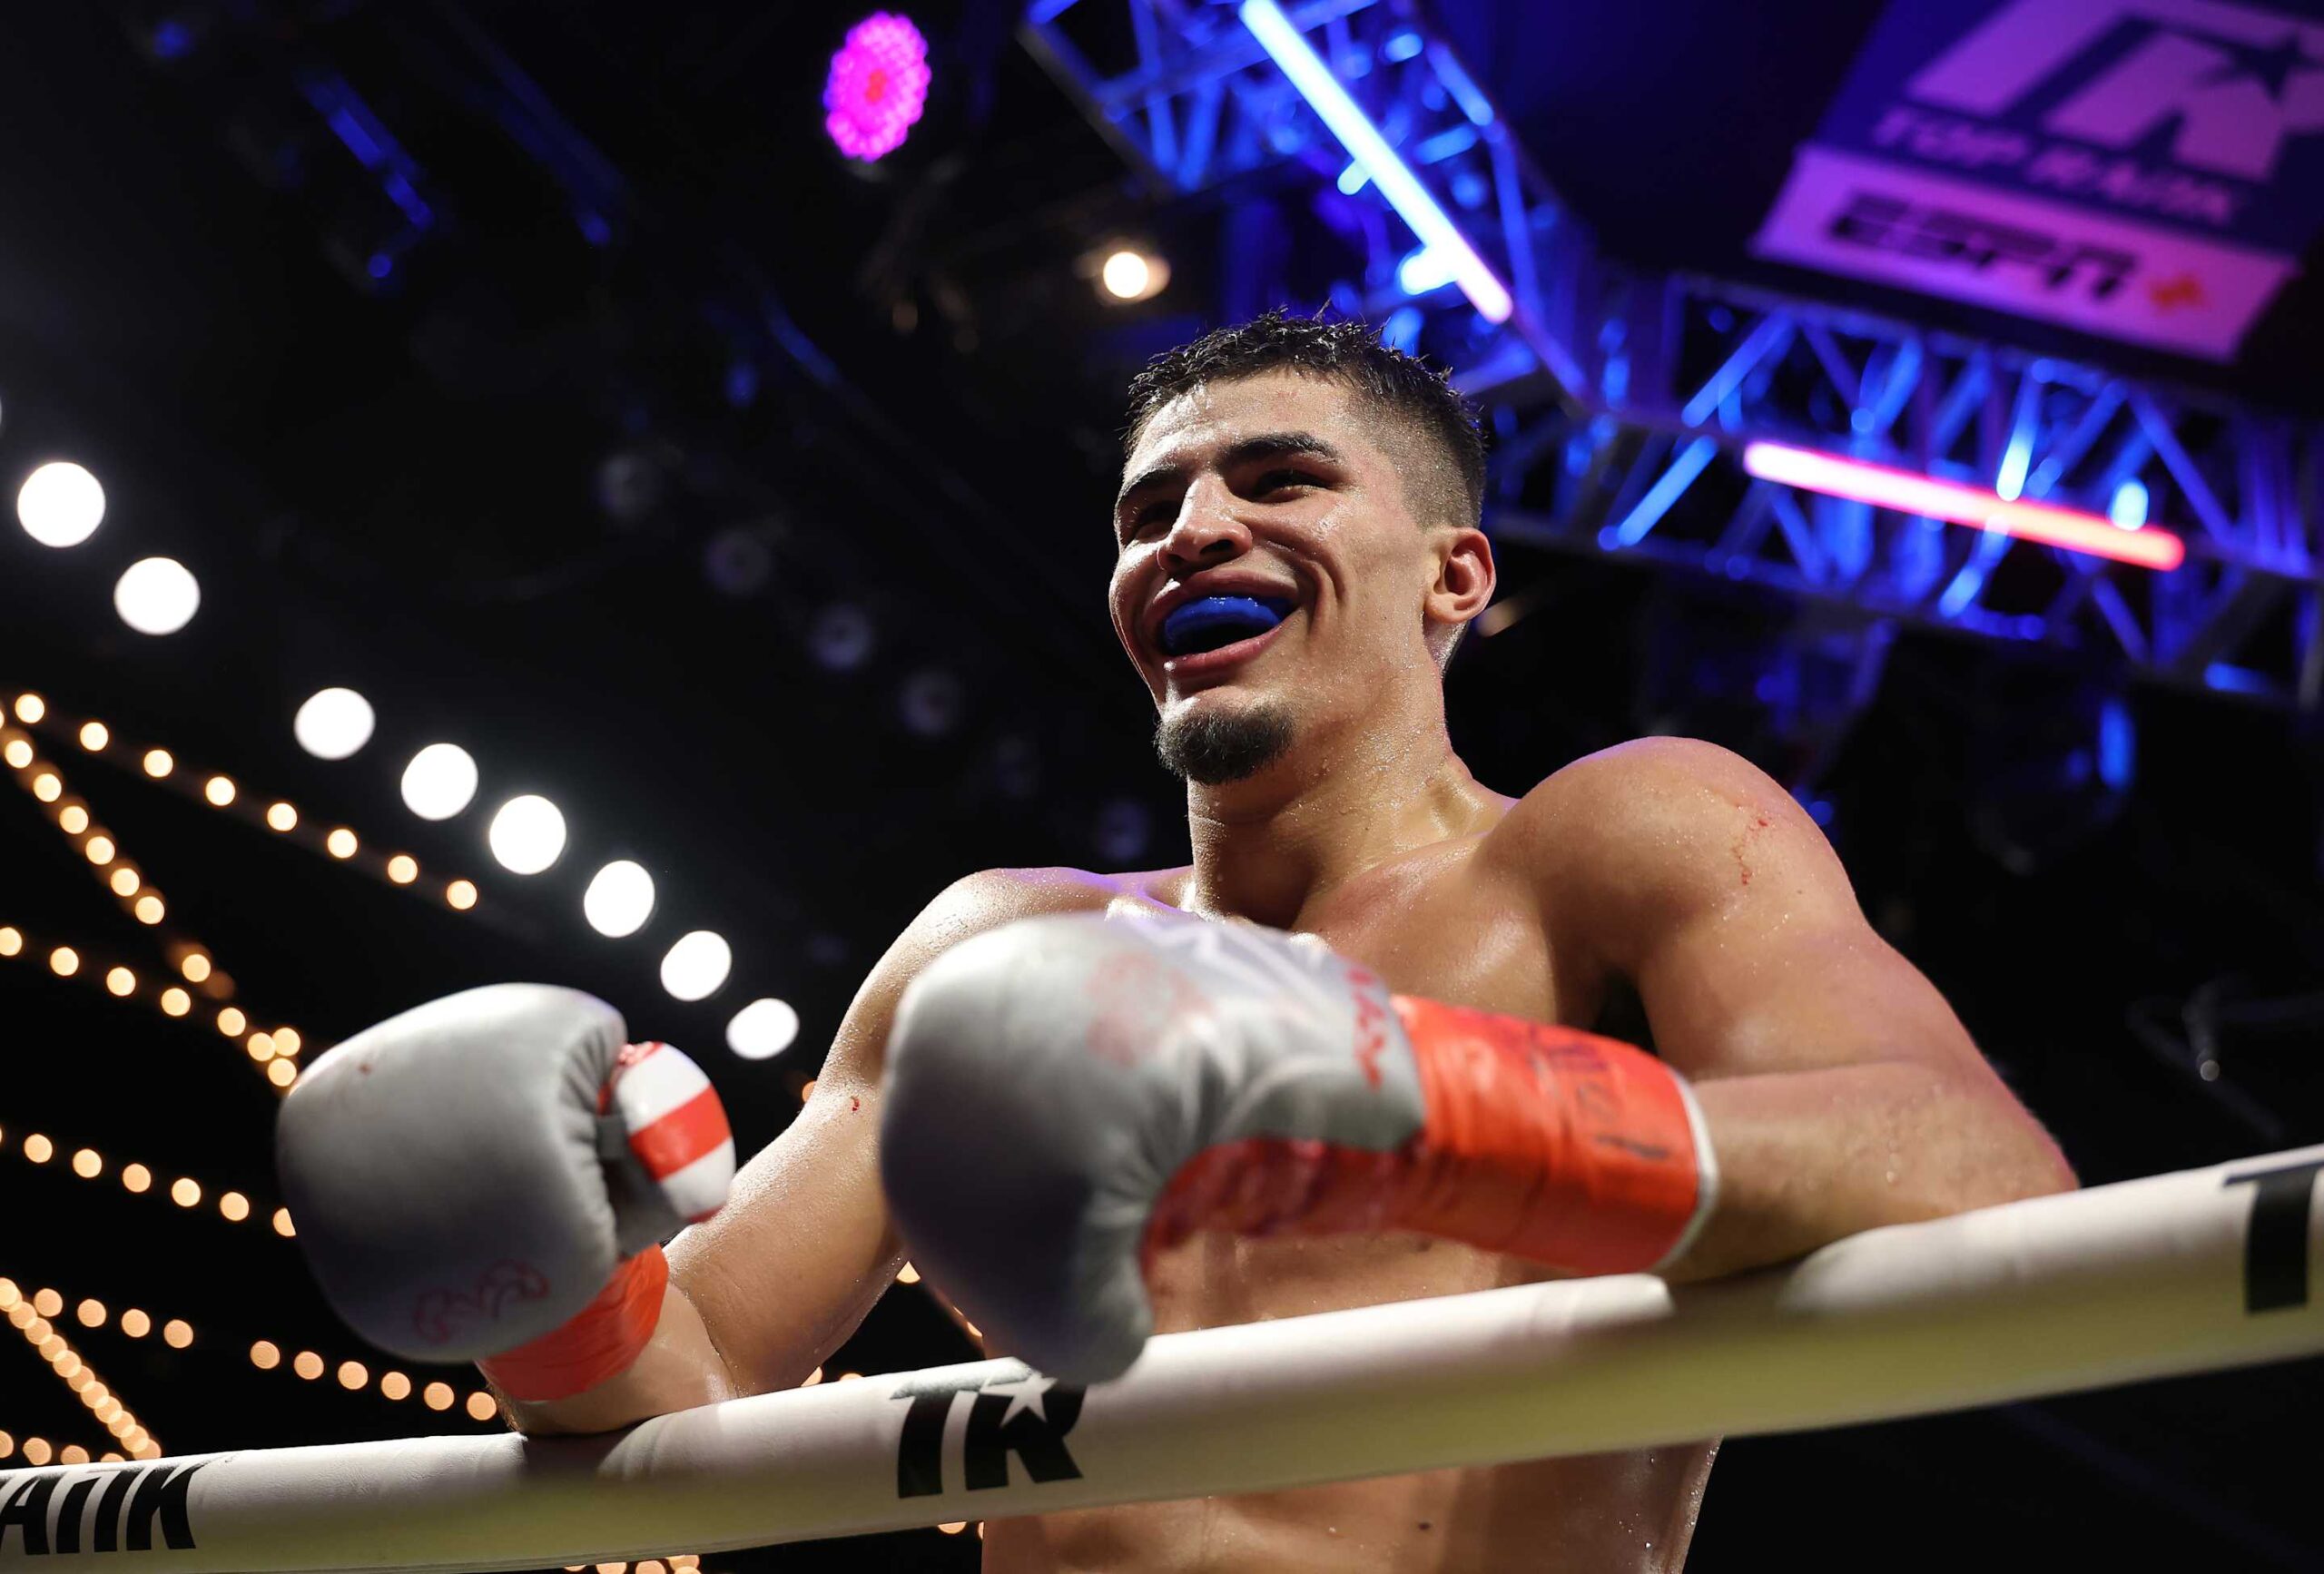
(1909, 492)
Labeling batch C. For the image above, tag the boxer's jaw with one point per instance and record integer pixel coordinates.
(1211, 746)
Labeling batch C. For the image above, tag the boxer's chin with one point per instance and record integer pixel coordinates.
(1212, 744)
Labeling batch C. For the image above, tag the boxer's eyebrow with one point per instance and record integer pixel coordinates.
(1262, 446)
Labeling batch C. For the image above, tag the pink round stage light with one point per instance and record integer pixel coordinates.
(878, 86)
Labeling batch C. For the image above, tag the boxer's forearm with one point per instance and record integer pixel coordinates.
(679, 1370)
(760, 1294)
(1805, 1158)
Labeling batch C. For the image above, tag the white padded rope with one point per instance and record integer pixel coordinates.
(2177, 1273)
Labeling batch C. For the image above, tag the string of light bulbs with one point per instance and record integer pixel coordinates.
(35, 1316)
(126, 882)
(30, 1316)
(528, 835)
(38, 1148)
(41, 778)
(273, 1052)
(339, 844)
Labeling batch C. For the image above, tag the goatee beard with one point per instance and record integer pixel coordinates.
(1211, 747)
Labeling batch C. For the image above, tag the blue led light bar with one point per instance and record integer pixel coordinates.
(1370, 150)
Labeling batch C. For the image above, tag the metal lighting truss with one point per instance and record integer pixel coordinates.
(1631, 445)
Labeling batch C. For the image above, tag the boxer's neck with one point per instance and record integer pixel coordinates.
(1344, 800)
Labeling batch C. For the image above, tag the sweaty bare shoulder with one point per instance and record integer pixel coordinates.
(803, 1246)
(1620, 840)
(969, 906)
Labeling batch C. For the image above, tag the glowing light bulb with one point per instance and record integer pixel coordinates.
(761, 1029)
(334, 724)
(157, 596)
(695, 967)
(439, 781)
(619, 900)
(527, 834)
(60, 505)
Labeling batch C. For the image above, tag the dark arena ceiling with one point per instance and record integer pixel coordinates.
(749, 502)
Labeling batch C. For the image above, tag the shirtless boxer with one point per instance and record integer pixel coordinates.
(1314, 499)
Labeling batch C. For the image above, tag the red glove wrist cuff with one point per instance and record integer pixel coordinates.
(1579, 1151)
(1548, 1143)
(595, 1343)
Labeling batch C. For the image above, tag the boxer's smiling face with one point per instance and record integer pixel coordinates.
(1272, 575)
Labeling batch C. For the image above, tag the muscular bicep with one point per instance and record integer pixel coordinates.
(804, 1247)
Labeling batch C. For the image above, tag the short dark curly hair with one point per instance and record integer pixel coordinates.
(1403, 388)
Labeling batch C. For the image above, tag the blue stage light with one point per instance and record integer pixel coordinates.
(1422, 271)
(1365, 145)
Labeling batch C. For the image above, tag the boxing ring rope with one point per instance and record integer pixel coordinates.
(2175, 1274)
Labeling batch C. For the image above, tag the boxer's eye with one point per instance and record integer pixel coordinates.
(1276, 481)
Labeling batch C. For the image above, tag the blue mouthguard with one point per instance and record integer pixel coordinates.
(1201, 624)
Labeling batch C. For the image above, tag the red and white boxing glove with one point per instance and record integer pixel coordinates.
(1066, 1094)
(488, 1177)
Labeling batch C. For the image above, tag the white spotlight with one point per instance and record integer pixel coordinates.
(156, 596)
(697, 966)
(618, 900)
(527, 834)
(1128, 274)
(60, 505)
(439, 781)
(763, 1029)
(334, 724)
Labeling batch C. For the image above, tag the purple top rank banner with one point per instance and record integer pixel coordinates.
(2147, 170)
